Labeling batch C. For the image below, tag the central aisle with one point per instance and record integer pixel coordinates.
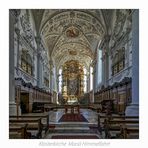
(79, 129)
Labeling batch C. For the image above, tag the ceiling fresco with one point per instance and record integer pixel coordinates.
(72, 34)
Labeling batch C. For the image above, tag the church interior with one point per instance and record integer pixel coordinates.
(73, 74)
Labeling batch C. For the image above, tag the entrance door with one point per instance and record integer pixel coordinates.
(24, 102)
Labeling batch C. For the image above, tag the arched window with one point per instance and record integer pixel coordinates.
(121, 59)
(85, 80)
(46, 82)
(118, 61)
(99, 66)
(26, 62)
(91, 78)
(60, 80)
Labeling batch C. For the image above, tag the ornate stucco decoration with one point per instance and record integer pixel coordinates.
(122, 30)
(54, 27)
(25, 23)
(120, 20)
(118, 30)
(72, 34)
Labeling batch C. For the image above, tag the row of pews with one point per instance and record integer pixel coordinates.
(95, 107)
(118, 127)
(28, 126)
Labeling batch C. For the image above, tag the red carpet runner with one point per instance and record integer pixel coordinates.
(73, 118)
(75, 137)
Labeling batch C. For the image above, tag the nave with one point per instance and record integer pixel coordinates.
(74, 73)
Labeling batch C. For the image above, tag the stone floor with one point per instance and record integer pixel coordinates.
(55, 115)
(72, 128)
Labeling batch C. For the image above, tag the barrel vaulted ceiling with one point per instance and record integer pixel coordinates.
(72, 34)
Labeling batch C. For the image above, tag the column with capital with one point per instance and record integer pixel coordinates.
(95, 75)
(39, 63)
(104, 46)
(14, 107)
(51, 75)
(103, 69)
(88, 82)
(133, 108)
(106, 68)
(55, 78)
(88, 79)
(58, 75)
(93, 85)
(51, 78)
(17, 31)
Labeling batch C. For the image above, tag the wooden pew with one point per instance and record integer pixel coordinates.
(117, 117)
(114, 126)
(102, 117)
(95, 107)
(48, 107)
(18, 131)
(33, 124)
(37, 115)
(127, 132)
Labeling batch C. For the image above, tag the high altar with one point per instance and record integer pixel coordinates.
(73, 81)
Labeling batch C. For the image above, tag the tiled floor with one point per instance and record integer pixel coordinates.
(90, 115)
(72, 128)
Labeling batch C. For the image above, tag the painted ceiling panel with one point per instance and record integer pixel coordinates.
(72, 33)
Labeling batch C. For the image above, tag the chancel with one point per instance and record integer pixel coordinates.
(74, 74)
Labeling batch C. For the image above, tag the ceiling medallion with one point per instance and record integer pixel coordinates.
(72, 32)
